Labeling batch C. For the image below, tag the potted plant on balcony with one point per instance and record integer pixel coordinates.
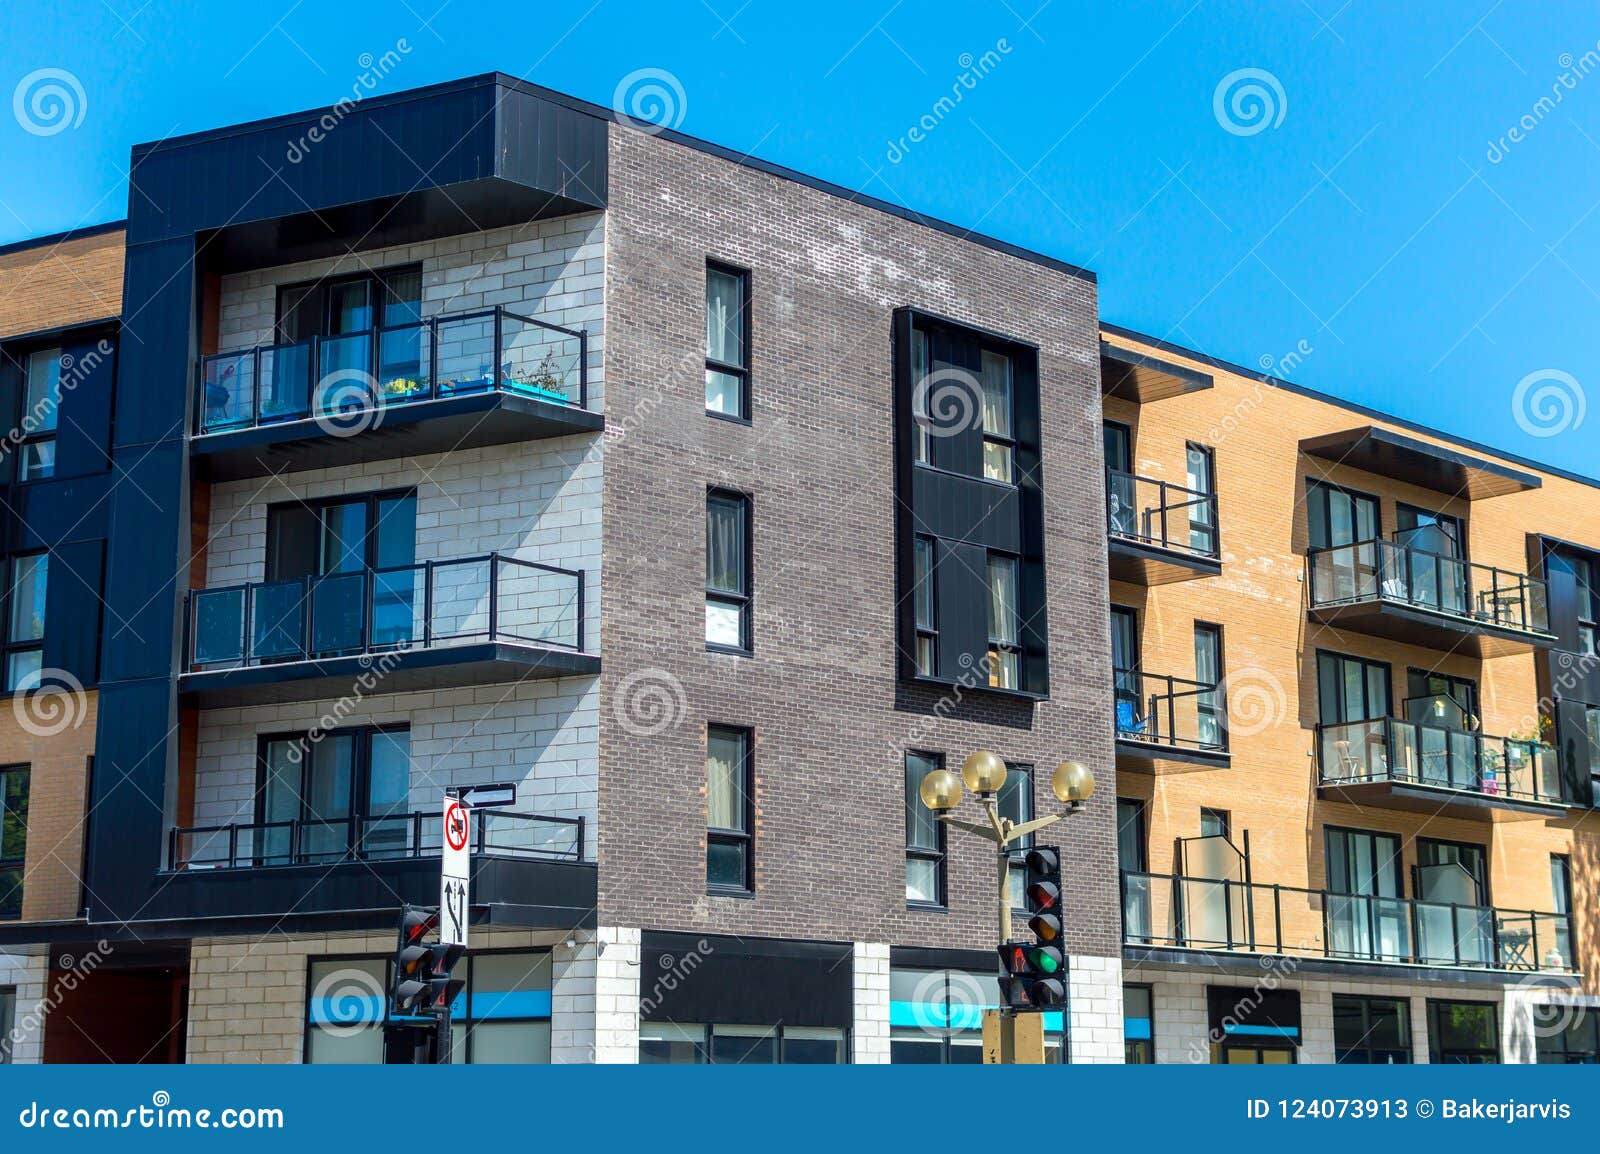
(543, 381)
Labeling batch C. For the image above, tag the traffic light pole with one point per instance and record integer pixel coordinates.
(1003, 1041)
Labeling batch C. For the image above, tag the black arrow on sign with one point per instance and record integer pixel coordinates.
(455, 897)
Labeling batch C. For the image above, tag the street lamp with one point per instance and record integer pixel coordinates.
(985, 774)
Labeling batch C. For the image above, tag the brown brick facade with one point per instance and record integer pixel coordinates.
(820, 692)
(52, 284)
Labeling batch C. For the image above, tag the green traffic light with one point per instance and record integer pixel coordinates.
(1046, 961)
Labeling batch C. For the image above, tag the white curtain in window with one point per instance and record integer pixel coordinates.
(1003, 599)
(724, 322)
(724, 801)
(996, 394)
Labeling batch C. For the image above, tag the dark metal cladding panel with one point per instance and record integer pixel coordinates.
(73, 609)
(83, 434)
(319, 160)
(747, 981)
(150, 531)
(134, 746)
(547, 146)
(155, 351)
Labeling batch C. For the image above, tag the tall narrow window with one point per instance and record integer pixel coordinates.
(925, 835)
(1004, 644)
(13, 837)
(24, 616)
(1561, 903)
(921, 447)
(8, 1013)
(1583, 570)
(998, 441)
(1203, 490)
(729, 790)
(1208, 673)
(728, 571)
(1015, 801)
(40, 416)
(926, 599)
(727, 342)
(1138, 1025)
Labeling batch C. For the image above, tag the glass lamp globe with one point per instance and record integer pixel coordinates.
(983, 772)
(940, 790)
(1072, 782)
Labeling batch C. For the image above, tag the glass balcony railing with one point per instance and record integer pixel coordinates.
(444, 356)
(315, 841)
(436, 603)
(1163, 910)
(1390, 749)
(1381, 570)
(1160, 514)
(1171, 711)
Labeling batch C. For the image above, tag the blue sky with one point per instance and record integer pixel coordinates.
(1363, 205)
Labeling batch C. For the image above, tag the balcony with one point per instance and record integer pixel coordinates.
(527, 869)
(1169, 723)
(1406, 594)
(1166, 912)
(457, 381)
(472, 621)
(1437, 769)
(1159, 532)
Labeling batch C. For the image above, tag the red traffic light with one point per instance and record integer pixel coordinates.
(1014, 958)
(1044, 895)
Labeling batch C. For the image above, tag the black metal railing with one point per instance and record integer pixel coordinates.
(315, 841)
(444, 356)
(1167, 910)
(1160, 514)
(1171, 711)
(1418, 753)
(1388, 571)
(436, 603)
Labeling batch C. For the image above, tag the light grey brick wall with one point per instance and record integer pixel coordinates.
(869, 1024)
(551, 270)
(26, 974)
(539, 734)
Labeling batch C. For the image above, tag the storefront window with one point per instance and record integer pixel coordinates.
(676, 1044)
(936, 1017)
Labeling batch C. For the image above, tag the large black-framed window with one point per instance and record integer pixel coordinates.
(350, 791)
(1200, 462)
(1363, 862)
(730, 809)
(41, 405)
(1015, 801)
(27, 579)
(501, 1016)
(727, 341)
(925, 591)
(1005, 622)
(349, 303)
(692, 1044)
(1463, 1033)
(925, 836)
(1339, 516)
(14, 781)
(1371, 1031)
(1138, 1024)
(999, 440)
(1452, 871)
(728, 566)
(1435, 698)
(1567, 1035)
(347, 534)
(1209, 670)
(1586, 575)
(1352, 688)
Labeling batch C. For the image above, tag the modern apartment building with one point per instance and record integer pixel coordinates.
(477, 434)
(1357, 753)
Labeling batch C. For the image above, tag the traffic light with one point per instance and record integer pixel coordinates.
(1034, 974)
(422, 982)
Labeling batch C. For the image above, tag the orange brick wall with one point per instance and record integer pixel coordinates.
(57, 785)
(1269, 645)
(68, 282)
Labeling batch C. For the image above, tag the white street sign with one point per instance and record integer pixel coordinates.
(455, 872)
